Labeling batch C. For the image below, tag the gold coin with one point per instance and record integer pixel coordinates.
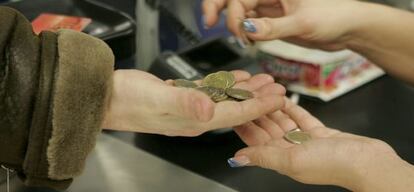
(220, 97)
(228, 77)
(216, 94)
(184, 83)
(221, 79)
(230, 99)
(214, 80)
(297, 136)
(239, 94)
(207, 90)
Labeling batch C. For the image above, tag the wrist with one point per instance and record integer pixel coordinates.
(369, 20)
(385, 173)
(363, 17)
(107, 121)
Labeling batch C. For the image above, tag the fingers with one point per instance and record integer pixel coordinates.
(270, 127)
(236, 12)
(270, 157)
(271, 28)
(211, 10)
(261, 131)
(270, 11)
(251, 134)
(229, 114)
(283, 121)
(302, 117)
(240, 75)
(255, 82)
(169, 82)
(187, 103)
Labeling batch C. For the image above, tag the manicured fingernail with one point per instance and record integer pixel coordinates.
(240, 43)
(249, 26)
(204, 22)
(239, 161)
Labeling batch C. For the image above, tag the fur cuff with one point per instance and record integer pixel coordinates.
(82, 85)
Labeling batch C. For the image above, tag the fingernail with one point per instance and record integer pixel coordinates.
(249, 26)
(240, 43)
(239, 161)
(203, 21)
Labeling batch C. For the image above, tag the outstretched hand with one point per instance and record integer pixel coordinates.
(141, 102)
(330, 157)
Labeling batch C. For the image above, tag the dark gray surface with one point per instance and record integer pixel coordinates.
(116, 166)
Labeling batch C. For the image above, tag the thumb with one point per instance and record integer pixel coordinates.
(271, 28)
(187, 103)
(270, 157)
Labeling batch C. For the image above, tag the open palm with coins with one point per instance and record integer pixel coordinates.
(329, 157)
(141, 102)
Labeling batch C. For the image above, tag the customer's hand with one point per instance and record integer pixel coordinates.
(330, 157)
(141, 102)
(324, 24)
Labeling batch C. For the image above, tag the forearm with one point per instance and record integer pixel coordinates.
(386, 37)
(386, 174)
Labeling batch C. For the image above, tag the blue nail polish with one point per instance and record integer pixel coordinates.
(240, 43)
(203, 21)
(249, 26)
(233, 163)
(239, 161)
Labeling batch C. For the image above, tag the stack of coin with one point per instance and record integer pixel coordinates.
(218, 86)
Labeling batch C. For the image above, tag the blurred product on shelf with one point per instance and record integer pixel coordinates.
(54, 22)
(313, 72)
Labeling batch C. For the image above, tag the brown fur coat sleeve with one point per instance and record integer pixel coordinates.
(53, 92)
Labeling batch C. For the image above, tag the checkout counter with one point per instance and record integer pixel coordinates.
(382, 109)
(121, 161)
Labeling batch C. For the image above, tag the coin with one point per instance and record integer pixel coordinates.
(220, 96)
(297, 136)
(184, 83)
(230, 99)
(218, 86)
(216, 94)
(239, 94)
(221, 79)
(215, 80)
(207, 90)
(228, 77)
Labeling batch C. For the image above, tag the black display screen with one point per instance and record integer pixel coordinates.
(210, 56)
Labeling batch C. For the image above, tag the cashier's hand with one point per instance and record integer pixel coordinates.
(314, 23)
(331, 157)
(141, 102)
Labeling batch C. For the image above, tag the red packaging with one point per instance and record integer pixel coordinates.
(53, 22)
